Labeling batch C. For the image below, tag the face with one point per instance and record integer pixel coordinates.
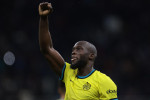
(79, 57)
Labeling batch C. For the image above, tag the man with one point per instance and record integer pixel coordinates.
(82, 81)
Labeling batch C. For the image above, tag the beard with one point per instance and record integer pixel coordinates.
(80, 63)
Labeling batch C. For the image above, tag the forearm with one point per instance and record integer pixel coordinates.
(45, 40)
(53, 57)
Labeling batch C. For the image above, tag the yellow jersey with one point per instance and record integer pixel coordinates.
(94, 86)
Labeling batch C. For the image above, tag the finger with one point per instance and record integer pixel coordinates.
(49, 6)
(41, 3)
(40, 8)
(45, 4)
(46, 12)
(45, 8)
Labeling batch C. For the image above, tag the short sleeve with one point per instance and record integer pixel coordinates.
(107, 89)
(65, 71)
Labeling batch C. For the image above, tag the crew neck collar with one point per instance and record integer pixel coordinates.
(82, 77)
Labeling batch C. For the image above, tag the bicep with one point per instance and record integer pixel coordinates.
(55, 60)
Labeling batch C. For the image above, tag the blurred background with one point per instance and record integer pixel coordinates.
(118, 28)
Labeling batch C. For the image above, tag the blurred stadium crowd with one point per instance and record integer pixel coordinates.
(118, 28)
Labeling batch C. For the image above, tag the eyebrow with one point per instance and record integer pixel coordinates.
(76, 47)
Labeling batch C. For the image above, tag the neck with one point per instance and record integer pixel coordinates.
(85, 70)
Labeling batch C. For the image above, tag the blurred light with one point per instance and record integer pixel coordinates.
(9, 58)
(113, 24)
(26, 95)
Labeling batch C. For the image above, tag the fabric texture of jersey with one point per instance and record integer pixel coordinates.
(94, 86)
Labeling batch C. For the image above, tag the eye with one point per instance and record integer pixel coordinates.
(79, 48)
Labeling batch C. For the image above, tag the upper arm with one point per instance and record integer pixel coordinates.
(107, 89)
(55, 60)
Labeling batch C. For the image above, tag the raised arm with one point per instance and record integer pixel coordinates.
(54, 58)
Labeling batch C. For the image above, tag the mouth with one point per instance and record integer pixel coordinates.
(73, 60)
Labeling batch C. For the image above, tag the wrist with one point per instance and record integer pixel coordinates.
(43, 16)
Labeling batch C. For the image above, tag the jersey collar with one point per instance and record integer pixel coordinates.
(82, 77)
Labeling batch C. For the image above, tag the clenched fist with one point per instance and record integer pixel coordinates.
(45, 9)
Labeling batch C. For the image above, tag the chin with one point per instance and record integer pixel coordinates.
(78, 64)
(74, 66)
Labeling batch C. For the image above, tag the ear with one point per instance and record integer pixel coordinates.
(91, 56)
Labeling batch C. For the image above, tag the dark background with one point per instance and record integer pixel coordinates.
(118, 28)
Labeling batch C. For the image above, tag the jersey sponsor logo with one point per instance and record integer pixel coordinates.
(111, 91)
(86, 86)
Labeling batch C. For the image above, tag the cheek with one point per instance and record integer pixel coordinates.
(84, 57)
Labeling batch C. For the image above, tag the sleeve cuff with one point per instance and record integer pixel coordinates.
(114, 99)
(62, 73)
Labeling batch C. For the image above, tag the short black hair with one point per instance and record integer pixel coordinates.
(90, 47)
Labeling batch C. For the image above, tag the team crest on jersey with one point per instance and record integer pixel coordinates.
(86, 86)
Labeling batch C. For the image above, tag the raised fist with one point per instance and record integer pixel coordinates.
(45, 8)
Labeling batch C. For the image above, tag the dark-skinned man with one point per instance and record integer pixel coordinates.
(82, 81)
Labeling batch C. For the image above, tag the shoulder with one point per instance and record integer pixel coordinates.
(103, 78)
(100, 75)
(66, 72)
(67, 68)
(67, 63)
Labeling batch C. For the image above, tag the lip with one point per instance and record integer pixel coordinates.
(73, 59)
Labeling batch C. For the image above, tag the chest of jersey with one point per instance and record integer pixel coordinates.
(81, 88)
